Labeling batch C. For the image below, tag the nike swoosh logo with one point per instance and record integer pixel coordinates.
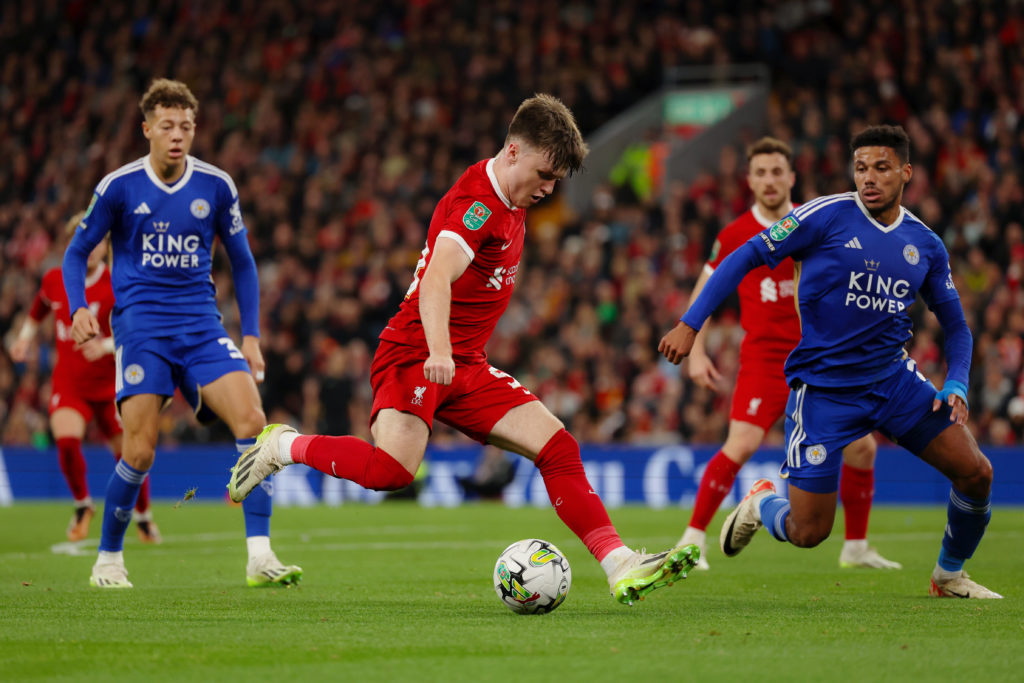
(506, 246)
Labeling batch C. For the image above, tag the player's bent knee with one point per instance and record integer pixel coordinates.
(977, 483)
(807, 537)
(249, 424)
(384, 473)
(740, 456)
(560, 455)
(139, 458)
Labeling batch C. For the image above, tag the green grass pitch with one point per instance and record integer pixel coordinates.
(396, 592)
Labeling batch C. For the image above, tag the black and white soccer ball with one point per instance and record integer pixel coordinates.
(532, 576)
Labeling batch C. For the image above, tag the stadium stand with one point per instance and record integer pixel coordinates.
(342, 123)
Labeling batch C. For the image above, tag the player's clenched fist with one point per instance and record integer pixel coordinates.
(439, 369)
(84, 326)
(676, 345)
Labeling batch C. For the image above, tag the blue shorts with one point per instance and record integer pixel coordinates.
(159, 365)
(822, 421)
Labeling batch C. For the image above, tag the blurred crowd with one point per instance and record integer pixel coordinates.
(343, 123)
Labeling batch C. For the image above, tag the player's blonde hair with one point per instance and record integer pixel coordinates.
(72, 224)
(546, 124)
(167, 93)
(770, 145)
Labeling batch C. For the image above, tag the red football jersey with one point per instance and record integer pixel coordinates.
(91, 380)
(767, 308)
(476, 214)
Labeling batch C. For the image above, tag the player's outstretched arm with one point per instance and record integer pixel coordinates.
(701, 368)
(677, 344)
(447, 264)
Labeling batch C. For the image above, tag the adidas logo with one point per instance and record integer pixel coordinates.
(852, 244)
(142, 208)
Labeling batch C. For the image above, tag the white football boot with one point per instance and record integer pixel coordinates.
(267, 570)
(860, 554)
(958, 585)
(743, 522)
(109, 575)
(258, 462)
(641, 573)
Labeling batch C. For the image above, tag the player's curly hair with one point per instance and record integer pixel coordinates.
(770, 145)
(167, 93)
(546, 124)
(893, 137)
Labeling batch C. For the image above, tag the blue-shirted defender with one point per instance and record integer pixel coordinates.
(861, 259)
(163, 213)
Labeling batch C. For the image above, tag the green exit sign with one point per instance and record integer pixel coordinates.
(698, 107)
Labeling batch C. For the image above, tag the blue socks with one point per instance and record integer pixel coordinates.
(122, 490)
(258, 506)
(966, 521)
(774, 511)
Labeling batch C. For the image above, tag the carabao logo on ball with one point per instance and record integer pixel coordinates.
(783, 228)
(476, 216)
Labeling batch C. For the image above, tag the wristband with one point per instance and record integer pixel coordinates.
(953, 387)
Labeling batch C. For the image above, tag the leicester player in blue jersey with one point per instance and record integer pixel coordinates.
(861, 259)
(163, 213)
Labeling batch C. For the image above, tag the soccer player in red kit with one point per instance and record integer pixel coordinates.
(769, 317)
(431, 361)
(82, 384)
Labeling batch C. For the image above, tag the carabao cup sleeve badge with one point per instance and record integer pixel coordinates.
(476, 216)
(783, 228)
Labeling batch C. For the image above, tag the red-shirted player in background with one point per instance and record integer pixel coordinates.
(82, 384)
(769, 317)
(431, 361)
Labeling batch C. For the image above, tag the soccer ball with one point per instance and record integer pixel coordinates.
(532, 576)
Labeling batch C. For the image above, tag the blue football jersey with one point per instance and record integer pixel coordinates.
(855, 281)
(162, 239)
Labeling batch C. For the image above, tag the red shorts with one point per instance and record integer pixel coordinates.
(477, 398)
(105, 412)
(760, 396)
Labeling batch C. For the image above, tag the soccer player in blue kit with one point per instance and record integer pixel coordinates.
(163, 213)
(861, 259)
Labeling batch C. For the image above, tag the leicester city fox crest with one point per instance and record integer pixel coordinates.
(911, 254)
(816, 454)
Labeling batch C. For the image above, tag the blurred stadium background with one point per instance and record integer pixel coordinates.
(342, 123)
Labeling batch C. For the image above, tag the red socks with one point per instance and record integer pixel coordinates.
(715, 485)
(72, 464)
(575, 501)
(856, 489)
(349, 457)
